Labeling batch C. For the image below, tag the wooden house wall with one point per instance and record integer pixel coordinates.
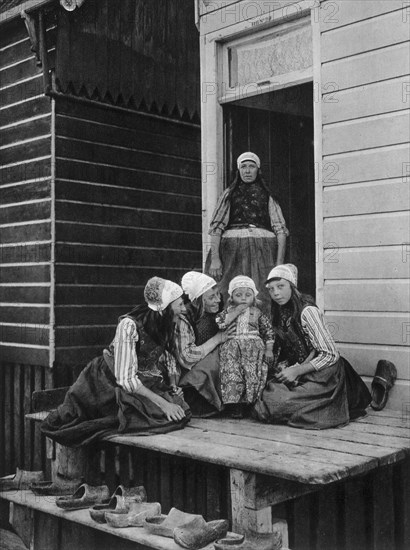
(25, 246)
(128, 207)
(365, 127)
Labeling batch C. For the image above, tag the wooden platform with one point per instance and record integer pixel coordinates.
(41, 511)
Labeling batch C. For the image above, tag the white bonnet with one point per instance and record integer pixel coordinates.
(242, 281)
(195, 284)
(159, 293)
(284, 271)
(248, 156)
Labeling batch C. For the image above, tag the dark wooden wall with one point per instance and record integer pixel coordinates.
(25, 210)
(128, 207)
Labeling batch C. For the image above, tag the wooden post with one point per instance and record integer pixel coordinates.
(247, 515)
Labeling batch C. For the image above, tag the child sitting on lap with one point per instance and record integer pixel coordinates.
(243, 357)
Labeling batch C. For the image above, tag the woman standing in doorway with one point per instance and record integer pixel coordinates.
(248, 230)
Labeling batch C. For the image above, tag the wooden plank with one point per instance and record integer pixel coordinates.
(401, 492)
(328, 529)
(369, 165)
(28, 424)
(9, 461)
(367, 296)
(25, 212)
(301, 528)
(383, 510)
(31, 150)
(365, 198)
(367, 230)
(365, 328)
(394, 422)
(71, 190)
(35, 169)
(335, 440)
(18, 413)
(177, 474)
(366, 100)
(366, 68)
(21, 71)
(80, 335)
(213, 493)
(30, 294)
(129, 119)
(128, 236)
(22, 91)
(25, 274)
(137, 217)
(135, 138)
(27, 130)
(38, 440)
(355, 513)
(13, 32)
(389, 129)
(71, 315)
(370, 34)
(367, 263)
(46, 400)
(22, 314)
(18, 51)
(24, 233)
(27, 109)
(189, 482)
(105, 275)
(165, 482)
(21, 519)
(3, 418)
(30, 191)
(117, 255)
(76, 170)
(110, 294)
(272, 459)
(28, 356)
(22, 253)
(126, 157)
(140, 538)
(339, 14)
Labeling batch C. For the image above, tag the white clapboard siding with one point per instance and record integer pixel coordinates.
(373, 66)
(389, 328)
(365, 198)
(367, 35)
(380, 229)
(383, 262)
(364, 357)
(377, 131)
(367, 100)
(367, 165)
(339, 14)
(368, 295)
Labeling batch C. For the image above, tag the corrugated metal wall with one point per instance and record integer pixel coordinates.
(365, 52)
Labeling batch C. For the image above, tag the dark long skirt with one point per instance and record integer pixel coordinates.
(323, 399)
(202, 386)
(95, 406)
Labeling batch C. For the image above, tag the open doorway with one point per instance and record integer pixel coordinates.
(278, 127)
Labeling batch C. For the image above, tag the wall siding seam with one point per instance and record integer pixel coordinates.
(118, 246)
(31, 58)
(123, 207)
(121, 167)
(33, 201)
(145, 267)
(176, 231)
(22, 345)
(25, 141)
(361, 314)
(361, 184)
(397, 146)
(385, 280)
(24, 182)
(123, 148)
(351, 23)
(22, 81)
(356, 345)
(369, 248)
(4, 48)
(361, 54)
(22, 304)
(27, 161)
(378, 116)
(24, 121)
(25, 285)
(85, 285)
(125, 187)
(367, 216)
(10, 105)
(24, 264)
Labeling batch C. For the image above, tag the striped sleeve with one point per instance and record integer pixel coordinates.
(125, 355)
(314, 326)
(220, 216)
(276, 218)
(187, 353)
